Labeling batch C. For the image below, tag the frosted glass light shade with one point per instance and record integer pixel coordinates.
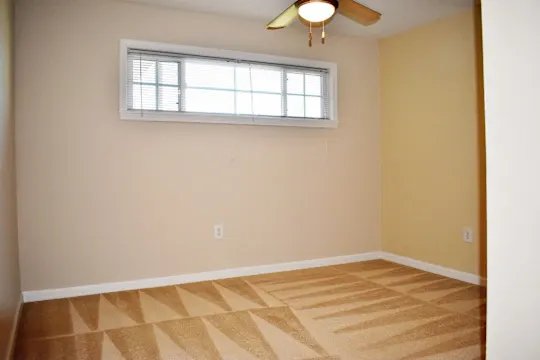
(316, 11)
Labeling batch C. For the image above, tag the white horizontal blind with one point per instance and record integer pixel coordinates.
(178, 83)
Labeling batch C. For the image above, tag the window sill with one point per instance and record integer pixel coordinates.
(228, 119)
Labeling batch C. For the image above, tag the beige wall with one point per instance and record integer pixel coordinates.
(10, 293)
(512, 87)
(432, 130)
(104, 200)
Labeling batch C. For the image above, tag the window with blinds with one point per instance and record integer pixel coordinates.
(168, 83)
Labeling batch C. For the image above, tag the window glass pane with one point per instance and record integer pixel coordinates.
(206, 75)
(267, 104)
(258, 79)
(263, 104)
(295, 105)
(209, 101)
(313, 85)
(148, 95)
(168, 73)
(243, 80)
(144, 71)
(295, 83)
(168, 98)
(243, 103)
(313, 107)
(266, 80)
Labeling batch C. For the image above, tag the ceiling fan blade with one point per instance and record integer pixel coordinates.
(359, 13)
(284, 19)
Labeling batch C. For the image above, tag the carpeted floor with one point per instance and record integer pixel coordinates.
(374, 310)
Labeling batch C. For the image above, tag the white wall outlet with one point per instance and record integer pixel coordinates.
(218, 231)
(468, 235)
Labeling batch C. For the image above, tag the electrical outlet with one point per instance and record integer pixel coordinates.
(468, 235)
(218, 231)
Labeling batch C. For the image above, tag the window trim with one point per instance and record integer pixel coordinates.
(125, 114)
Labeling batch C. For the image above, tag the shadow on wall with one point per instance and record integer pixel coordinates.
(482, 233)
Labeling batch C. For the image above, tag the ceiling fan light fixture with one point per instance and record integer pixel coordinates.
(317, 10)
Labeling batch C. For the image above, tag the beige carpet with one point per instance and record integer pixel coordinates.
(374, 310)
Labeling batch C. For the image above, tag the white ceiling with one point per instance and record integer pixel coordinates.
(397, 15)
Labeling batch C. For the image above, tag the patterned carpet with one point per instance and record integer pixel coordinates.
(373, 310)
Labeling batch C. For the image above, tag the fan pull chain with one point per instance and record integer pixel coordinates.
(310, 36)
(323, 33)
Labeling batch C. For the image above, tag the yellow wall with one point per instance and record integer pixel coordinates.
(431, 148)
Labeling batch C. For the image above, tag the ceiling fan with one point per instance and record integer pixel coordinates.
(319, 13)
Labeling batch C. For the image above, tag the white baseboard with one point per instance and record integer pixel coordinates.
(50, 294)
(39, 295)
(14, 329)
(436, 269)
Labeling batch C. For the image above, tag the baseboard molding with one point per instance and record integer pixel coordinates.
(14, 330)
(50, 294)
(436, 269)
(39, 295)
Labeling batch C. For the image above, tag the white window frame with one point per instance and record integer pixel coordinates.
(137, 115)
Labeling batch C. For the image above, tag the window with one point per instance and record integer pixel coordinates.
(180, 83)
